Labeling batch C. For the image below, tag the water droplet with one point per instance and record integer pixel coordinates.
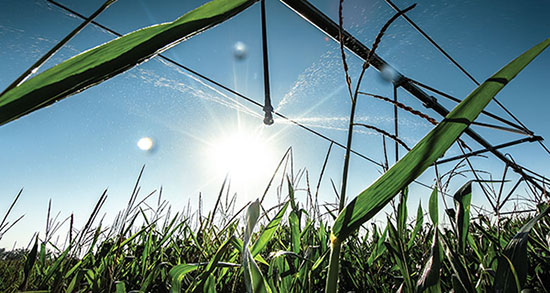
(239, 50)
(388, 74)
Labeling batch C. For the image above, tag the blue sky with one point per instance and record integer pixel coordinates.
(72, 151)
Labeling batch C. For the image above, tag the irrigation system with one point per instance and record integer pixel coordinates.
(322, 22)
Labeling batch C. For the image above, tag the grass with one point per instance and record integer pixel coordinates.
(196, 252)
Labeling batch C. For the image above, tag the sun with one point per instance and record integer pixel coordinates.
(245, 155)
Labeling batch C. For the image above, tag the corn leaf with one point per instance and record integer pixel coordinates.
(515, 258)
(105, 61)
(120, 287)
(379, 249)
(294, 231)
(369, 202)
(213, 264)
(430, 279)
(268, 232)
(463, 282)
(177, 273)
(210, 285)
(463, 198)
(402, 213)
(417, 225)
(434, 208)
(396, 248)
(253, 278)
(29, 264)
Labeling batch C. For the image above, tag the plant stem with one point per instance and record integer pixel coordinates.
(333, 265)
(347, 157)
(336, 244)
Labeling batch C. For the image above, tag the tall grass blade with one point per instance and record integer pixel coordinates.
(463, 198)
(214, 262)
(253, 277)
(463, 282)
(402, 213)
(513, 272)
(120, 287)
(516, 252)
(379, 249)
(294, 221)
(320, 261)
(105, 61)
(396, 248)
(5, 224)
(430, 148)
(268, 232)
(177, 274)
(417, 225)
(434, 208)
(430, 279)
(29, 264)
(210, 285)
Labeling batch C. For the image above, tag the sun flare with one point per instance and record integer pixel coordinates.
(246, 157)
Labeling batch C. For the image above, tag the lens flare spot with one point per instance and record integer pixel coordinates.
(145, 144)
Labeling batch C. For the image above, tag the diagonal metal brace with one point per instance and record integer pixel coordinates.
(478, 152)
(307, 11)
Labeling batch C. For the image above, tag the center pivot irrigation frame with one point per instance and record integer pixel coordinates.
(307, 11)
(322, 22)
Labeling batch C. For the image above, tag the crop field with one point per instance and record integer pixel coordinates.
(288, 251)
(292, 245)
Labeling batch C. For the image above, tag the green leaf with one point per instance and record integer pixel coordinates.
(105, 61)
(516, 254)
(463, 282)
(29, 264)
(291, 195)
(369, 202)
(145, 253)
(320, 261)
(294, 231)
(322, 234)
(75, 281)
(177, 273)
(53, 268)
(254, 280)
(280, 274)
(213, 264)
(434, 208)
(463, 198)
(268, 232)
(396, 248)
(417, 226)
(43, 254)
(402, 213)
(120, 287)
(379, 249)
(210, 285)
(430, 280)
